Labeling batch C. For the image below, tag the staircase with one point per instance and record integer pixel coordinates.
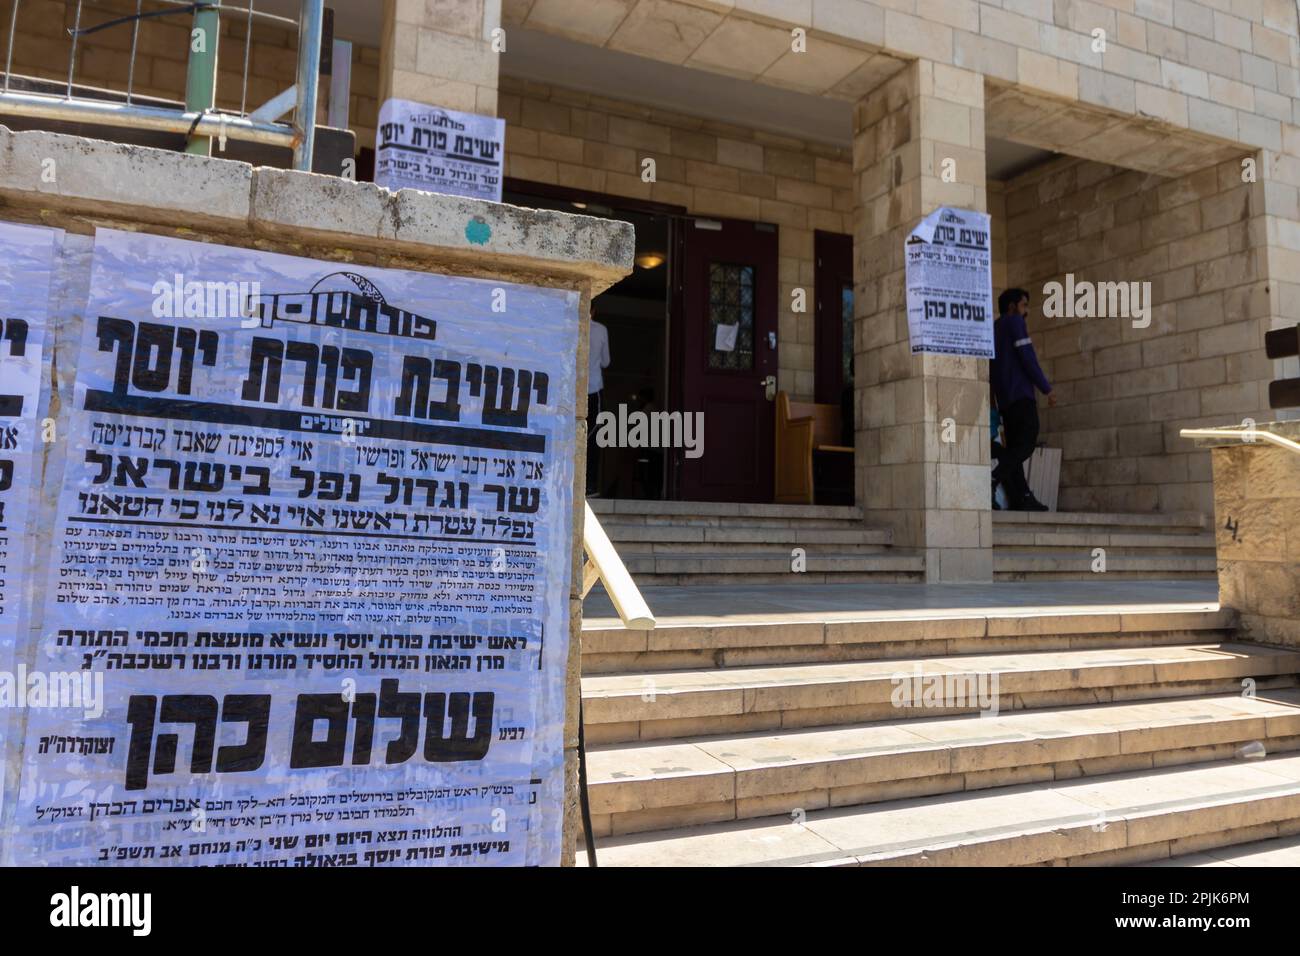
(1062, 545)
(711, 544)
(708, 543)
(1121, 735)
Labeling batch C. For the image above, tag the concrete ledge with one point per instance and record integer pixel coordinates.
(285, 202)
(916, 626)
(97, 177)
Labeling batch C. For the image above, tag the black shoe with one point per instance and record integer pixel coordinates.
(1030, 503)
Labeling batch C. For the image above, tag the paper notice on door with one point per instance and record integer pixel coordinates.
(725, 339)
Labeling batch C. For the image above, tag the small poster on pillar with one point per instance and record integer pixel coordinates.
(950, 284)
(439, 151)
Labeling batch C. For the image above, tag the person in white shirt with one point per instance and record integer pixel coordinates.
(597, 361)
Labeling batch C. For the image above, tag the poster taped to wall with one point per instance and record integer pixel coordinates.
(440, 151)
(27, 256)
(314, 539)
(950, 284)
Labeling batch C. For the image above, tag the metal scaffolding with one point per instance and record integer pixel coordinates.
(200, 121)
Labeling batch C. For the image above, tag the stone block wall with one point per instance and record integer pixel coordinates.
(1124, 392)
(584, 141)
(1257, 536)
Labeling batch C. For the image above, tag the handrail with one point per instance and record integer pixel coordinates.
(1240, 433)
(603, 563)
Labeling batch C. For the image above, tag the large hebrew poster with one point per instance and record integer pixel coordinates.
(27, 256)
(314, 539)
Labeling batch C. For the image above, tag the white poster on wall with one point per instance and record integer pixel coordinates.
(439, 151)
(950, 284)
(314, 540)
(27, 255)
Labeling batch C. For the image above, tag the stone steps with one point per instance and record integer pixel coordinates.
(1129, 817)
(637, 537)
(1126, 542)
(1279, 851)
(733, 521)
(1122, 733)
(693, 509)
(718, 566)
(890, 635)
(717, 543)
(651, 786)
(628, 707)
(1054, 564)
(704, 543)
(1111, 521)
(1062, 545)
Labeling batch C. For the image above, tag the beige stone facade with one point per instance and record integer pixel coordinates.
(1152, 106)
(1126, 390)
(1257, 521)
(584, 141)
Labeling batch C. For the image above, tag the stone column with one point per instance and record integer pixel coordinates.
(922, 442)
(1257, 532)
(440, 52)
(1276, 194)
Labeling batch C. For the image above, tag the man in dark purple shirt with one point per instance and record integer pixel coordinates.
(1014, 375)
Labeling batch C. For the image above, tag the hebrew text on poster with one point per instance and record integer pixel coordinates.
(26, 266)
(314, 539)
(950, 284)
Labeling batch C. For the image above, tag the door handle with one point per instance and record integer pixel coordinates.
(769, 387)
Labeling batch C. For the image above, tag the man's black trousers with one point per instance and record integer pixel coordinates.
(1020, 423)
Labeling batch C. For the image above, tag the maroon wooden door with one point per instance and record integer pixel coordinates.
(728, 354)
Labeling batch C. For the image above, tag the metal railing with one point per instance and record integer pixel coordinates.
(200, 121)
(604, 564)
(1243, 435)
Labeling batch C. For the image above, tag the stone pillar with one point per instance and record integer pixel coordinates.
(922, 443)
(440, 52)
(1277, 195)
(1257, 532)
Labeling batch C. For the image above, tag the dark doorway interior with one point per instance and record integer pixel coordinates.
(636, 314)
(833, 332)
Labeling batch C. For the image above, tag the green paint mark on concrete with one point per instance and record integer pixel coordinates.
(478, 231)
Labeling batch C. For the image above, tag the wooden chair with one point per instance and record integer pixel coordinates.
(803, 429)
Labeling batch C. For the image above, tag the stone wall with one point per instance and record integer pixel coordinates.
(1124, 391)
(584, 141)
(1257, 533)
(1228, 69)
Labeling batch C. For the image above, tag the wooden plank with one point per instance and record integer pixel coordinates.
(1043, 472)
